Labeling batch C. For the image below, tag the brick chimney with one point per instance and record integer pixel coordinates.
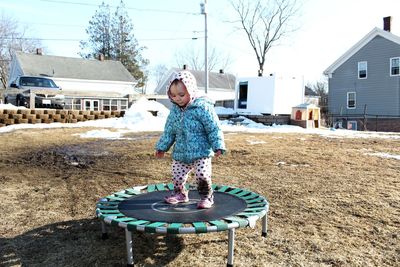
(221, 71)
(185, 67)
(386, 23)
(39, 51)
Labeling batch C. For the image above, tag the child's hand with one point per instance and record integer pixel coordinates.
(159, 154)
(218, 153)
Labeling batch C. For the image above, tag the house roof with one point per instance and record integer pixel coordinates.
(309, 92)
(218, 82)
(306, 106)
(360, 44)
(73, 68)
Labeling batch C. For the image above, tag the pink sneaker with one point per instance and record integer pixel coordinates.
(205, 203)
(177, 197)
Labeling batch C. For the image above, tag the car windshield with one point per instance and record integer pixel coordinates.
(37, 82)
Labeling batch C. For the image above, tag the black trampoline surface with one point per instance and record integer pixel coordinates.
(151, 207)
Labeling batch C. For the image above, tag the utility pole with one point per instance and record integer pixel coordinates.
(203, 7)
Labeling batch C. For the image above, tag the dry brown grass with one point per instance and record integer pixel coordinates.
(331, 204)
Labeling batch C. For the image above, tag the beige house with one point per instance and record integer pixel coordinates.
(221, 87)
(94, 84)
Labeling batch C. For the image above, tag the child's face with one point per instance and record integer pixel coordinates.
(179, 94)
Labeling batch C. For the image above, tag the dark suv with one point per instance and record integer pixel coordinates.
(47, 93)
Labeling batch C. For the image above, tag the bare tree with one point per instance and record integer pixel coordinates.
(12, 38)
(195, 59)
(320, 89)
(159, 72)
(265, 22)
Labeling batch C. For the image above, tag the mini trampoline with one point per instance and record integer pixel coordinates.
(143, 209)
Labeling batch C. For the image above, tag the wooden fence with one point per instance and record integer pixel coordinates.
(264, 119)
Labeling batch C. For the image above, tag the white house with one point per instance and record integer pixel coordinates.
(221, 87)
(273, 94)
(95, 84)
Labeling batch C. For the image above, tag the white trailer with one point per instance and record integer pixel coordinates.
(273, 94)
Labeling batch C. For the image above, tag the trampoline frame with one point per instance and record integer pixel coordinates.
(107, 211)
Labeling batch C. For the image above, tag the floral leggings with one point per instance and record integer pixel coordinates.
(202, 170)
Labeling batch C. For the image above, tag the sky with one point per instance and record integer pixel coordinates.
(138, 119)
(326, 30)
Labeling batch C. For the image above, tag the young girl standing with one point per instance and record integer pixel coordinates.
(193, 128)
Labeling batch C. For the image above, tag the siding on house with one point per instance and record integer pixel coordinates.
(379, 92)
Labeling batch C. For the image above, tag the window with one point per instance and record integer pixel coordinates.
(106, 104)
(352, 125)
(73, 104)
(395, 66)
(37, 82)
(76, 104)
(351, 100)
(362, 70)
(124, 104)
(91, 104)
(112, 104)
(242, 103)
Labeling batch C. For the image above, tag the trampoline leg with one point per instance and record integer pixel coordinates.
(128, 236)
(264, 226)
(231, 245)
(104, 234)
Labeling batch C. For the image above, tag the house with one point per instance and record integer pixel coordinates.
(86, 84)
(270, 95)
(311, 97)
(364, 83)
(221, 87)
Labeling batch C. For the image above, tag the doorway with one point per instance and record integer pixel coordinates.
(91, 104)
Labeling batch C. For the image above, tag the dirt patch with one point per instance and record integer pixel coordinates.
(332, 202)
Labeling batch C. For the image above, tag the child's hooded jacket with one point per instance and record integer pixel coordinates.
(195, 129)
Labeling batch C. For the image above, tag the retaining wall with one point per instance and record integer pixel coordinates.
(17, 116)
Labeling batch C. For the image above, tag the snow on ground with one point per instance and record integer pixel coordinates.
(139, 119)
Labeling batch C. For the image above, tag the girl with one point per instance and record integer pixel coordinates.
(193, 127)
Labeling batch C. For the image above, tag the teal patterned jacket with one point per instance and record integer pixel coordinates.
(195, 132)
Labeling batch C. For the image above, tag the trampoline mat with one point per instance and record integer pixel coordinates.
(151, 207)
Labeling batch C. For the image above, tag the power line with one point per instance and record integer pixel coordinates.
(131, 8)
(75, 40)
(81, 26)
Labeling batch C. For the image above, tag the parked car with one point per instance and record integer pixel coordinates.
(47, 93)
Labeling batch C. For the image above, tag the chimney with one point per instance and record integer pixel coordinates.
(185, 67)
(39, 51)
(101, 57)
(221, 71)
(386, 23)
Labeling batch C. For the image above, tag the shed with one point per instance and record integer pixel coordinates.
(306, 116)
(272, 95)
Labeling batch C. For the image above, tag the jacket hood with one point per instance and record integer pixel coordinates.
(188, 80)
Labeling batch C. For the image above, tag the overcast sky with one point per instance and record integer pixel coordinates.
(327, 29)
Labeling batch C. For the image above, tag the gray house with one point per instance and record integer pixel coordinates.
(221, 87)
(364, 83)
(95, 84)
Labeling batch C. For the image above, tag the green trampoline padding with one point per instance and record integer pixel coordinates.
(142, 209)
